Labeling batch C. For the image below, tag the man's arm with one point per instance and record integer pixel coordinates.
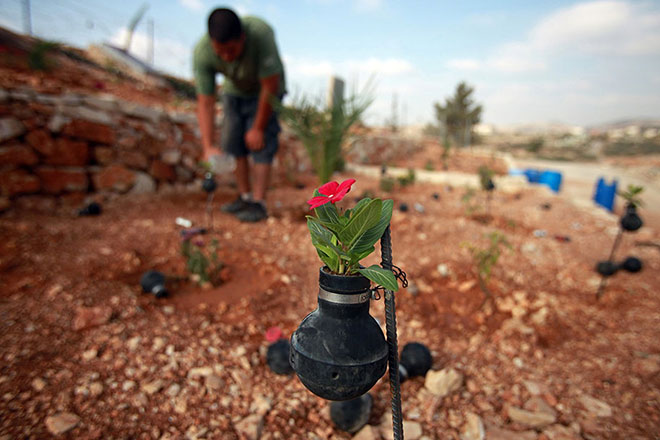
(254, 138)
(205, 118)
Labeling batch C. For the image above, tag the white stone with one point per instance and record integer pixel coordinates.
(443, 382)
(473, 428)
(61, 423)
(10, 128)
(250, 427)
(595, 407)
(531, 419)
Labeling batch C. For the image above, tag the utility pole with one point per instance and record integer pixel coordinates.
(150, 49)
(27, 17)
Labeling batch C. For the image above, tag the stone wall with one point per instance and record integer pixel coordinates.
(71, 145)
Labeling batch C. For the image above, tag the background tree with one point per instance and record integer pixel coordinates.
(458, 116)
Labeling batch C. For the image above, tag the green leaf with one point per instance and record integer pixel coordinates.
(381, 276)
(360, 223)
(358, 207)
(374, 234)
(322, 239)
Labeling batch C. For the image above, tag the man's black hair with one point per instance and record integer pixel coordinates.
(224, 25)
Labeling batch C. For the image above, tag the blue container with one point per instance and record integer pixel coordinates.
(551, 179)
(605, 193)
(533, 175)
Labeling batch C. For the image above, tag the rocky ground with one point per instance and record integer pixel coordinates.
(86, 355)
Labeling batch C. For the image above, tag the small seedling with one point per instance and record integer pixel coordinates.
(408, 179)
(486, 258)
(429, 165)
(202, 261)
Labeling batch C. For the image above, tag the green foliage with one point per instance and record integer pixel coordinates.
(631, 195)
(386, 183)
(182, 88)
(202, 263)
(38, 57)
(535, 145)
(459, 114)
(446, 148)
(631, 148)
(428, 166)
(486, 258)
(408, 179)
(343, 240)
(323, 132)
(485, 176)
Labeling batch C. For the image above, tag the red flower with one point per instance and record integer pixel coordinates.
(273, 334)
(332, 192)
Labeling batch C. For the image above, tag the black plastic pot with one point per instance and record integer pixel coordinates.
(607, 268)
(339, 351)
(632, 264)
(208, 184)
(630, 221)
(154, 282)
(277, 357)
(351, 415)
(415, 361)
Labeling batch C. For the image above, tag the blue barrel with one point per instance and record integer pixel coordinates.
(533, 175)
(551, 179)
(605, 193)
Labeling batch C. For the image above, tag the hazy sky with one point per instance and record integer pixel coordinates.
(529, 61)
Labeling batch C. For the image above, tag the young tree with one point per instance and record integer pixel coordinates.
(459, 114)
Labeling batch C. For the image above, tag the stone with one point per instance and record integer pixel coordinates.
(128, 385)
(87, 114)
(162, 171)
(114, 177)
(88, 317)
(68, 152)
(58, 180)
(103, 155)
(214, 382)
(561, 432)
(107, 103)
(144, 184)
(58, 121)
(90, 354)
(152, 387)
(62, 422)
(200, 372)
(595, 407)
(171, 157)
(368, 432)
(173, 390)
(133, 159)
(443, 382)
(250, 427)
(47, 99)
(140, 112)
(18, 181)
(473, 429)
(10, 128)
(183, 118)
(90, 131)
(537, 404)
(18, 155)
(530, 418)
(42, 141)
(496, 433)
(412, 430)
(96, 388)
(38, 384)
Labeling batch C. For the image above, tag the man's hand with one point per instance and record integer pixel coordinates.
(254, 139)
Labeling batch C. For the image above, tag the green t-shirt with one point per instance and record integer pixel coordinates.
(260, 59)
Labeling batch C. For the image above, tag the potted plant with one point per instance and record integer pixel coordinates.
(339, 351)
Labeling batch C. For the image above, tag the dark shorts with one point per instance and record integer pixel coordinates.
(239, 114)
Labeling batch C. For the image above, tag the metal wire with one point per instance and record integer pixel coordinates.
(390, 324)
